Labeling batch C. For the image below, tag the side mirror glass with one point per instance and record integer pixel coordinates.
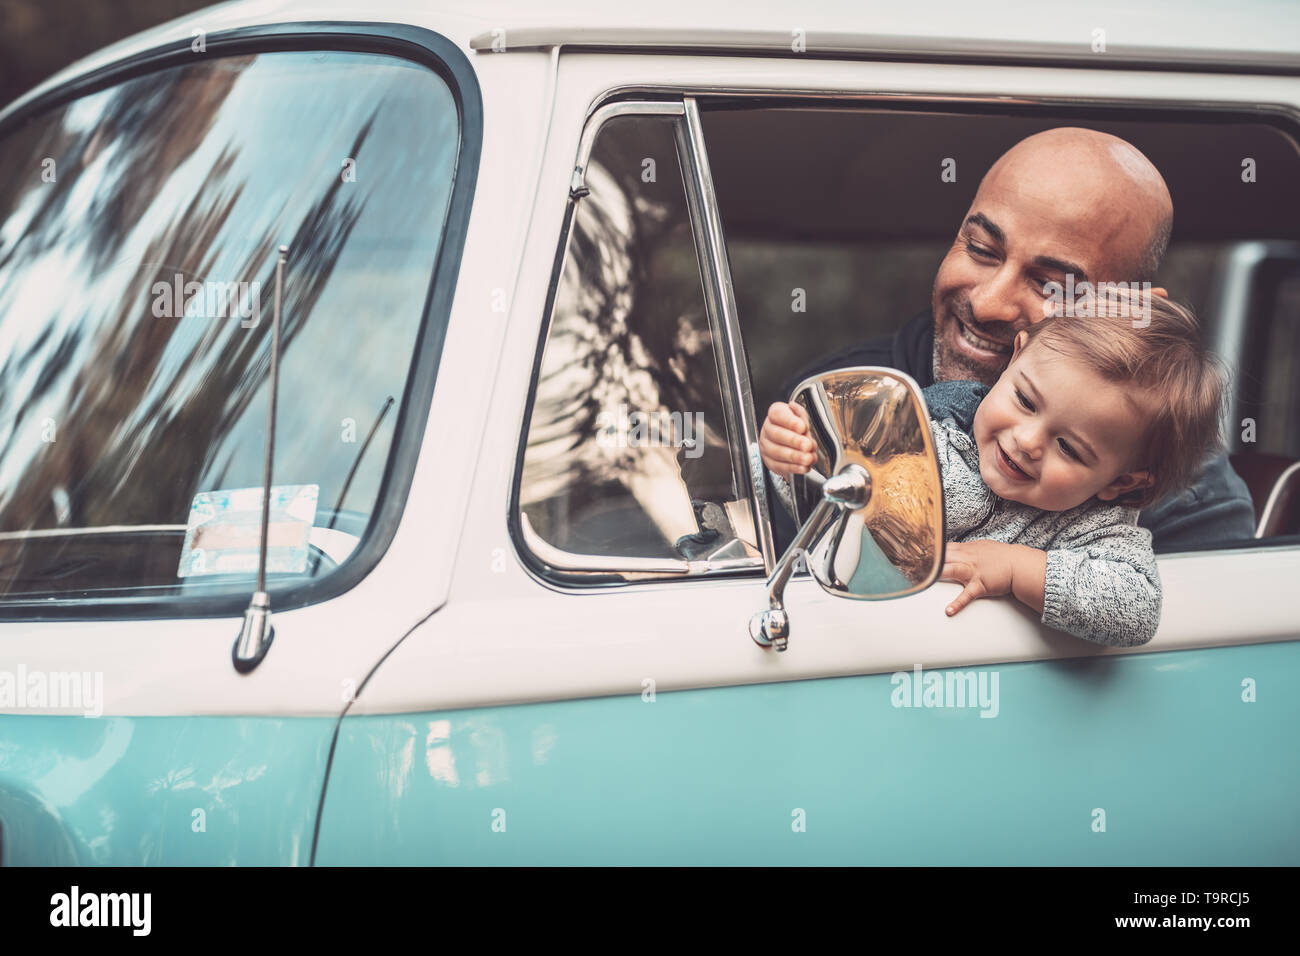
(876, 419)
(871, 508)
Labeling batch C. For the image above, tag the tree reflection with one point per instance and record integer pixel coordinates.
(629, 331)
(154, 180)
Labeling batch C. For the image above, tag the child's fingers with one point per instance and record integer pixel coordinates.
(785, 438)
(974, 589)
(783, 459)
(957, 571)
(785, 450)
(786, 416)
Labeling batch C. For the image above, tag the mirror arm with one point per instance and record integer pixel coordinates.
(850, 490)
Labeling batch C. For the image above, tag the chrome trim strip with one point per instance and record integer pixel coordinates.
(720, 298)
(598, 118)
(842, 96)
(696, 184)
(874, 46)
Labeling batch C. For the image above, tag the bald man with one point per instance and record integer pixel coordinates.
(1062, 203)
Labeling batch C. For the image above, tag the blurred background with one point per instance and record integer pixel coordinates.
(40, 37)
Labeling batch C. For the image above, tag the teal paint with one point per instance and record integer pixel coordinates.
(1184, 770)
(123, 790)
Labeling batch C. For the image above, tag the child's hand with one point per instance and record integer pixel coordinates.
(986, 568)
(784, 443)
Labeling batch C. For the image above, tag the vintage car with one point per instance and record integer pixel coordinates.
(516, 285)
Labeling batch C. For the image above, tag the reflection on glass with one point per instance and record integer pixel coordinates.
(893, 545)
(138, 228)
(627, 450)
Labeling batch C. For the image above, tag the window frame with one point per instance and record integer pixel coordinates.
(1282, 116)
(720, 300)
(416, 45)
(555, 564)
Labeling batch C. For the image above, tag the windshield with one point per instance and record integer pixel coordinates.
(138, 233)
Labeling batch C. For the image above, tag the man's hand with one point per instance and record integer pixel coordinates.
(992, 569)
(784, 443)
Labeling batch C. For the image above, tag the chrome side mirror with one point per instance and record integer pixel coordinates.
(873, 502)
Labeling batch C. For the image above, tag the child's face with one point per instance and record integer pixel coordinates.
(1052, 433)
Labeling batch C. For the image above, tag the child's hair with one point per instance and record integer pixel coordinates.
(1154, 343)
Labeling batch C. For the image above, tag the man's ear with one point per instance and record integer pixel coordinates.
(1160, 291)
(1019, 342)
(1129, 481)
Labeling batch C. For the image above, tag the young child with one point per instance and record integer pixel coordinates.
(1044, 473)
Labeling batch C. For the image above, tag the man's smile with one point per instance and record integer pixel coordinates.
(979, 342)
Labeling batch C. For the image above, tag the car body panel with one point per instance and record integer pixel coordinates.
(717, 778)
(506, 636)
(1259, 32)
(1161, 744)
(173, 791)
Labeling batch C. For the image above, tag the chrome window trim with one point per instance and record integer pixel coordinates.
(596, 121)
(693, 41)
(553, 563)
(724, 320)
(921, 98)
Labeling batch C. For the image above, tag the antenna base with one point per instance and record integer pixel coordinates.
(255, 636)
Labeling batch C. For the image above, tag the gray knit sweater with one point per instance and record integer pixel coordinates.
(1102, 582)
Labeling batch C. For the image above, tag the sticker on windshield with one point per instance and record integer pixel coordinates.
(224, 532)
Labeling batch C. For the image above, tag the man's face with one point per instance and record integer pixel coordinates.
(1026, 227)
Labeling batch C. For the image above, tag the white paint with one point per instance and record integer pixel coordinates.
(504, 636)
(508, 637)
(162, 667)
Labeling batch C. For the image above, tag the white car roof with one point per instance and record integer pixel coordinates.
(1251, 34)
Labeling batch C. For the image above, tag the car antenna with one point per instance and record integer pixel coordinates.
(256, 635)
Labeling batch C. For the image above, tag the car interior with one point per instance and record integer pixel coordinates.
(861, 228)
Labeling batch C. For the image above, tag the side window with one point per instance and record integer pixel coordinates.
(629, 465)
(838, 265)
(138, 234)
